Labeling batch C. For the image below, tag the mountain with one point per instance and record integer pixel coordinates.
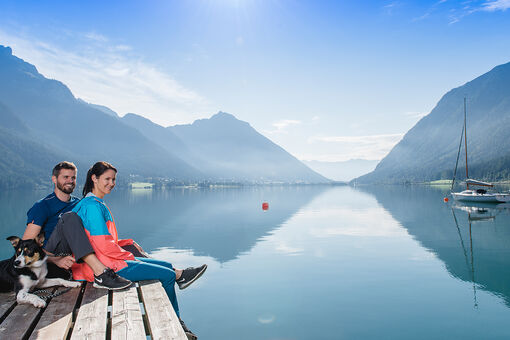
(63, 127)
(43, 123)
(230, 149)
(101, 108)
(429, 150)
(23, 162)
(343, 171)
(227, 149)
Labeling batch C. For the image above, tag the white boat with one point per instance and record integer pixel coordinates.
(475, 195)
(480, 195)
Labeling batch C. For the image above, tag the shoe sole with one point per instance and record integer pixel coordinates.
(110, 288)
(186, 285)
(191, 336)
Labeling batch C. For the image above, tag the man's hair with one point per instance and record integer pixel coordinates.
(63, 165)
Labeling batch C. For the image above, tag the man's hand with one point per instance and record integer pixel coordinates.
(62, 261)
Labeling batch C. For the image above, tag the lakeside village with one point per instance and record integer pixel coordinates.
(136, 183)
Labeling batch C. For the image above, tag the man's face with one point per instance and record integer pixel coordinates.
(66, 180)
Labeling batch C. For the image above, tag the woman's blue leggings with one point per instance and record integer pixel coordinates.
(150, 269)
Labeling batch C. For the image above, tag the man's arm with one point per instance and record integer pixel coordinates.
(32, 231)
(65, 262)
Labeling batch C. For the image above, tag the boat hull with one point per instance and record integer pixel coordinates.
(472, 196)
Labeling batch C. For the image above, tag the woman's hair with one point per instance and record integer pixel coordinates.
(97, 169)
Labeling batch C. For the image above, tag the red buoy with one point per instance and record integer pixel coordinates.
(265, 206)
(445, 199)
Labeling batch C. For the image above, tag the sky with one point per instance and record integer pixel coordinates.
(326, 80)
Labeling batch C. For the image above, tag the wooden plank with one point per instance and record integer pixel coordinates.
(126, 316)
(18, 321)
(57, 318)
(6, 301)
(163, 321)
(91, 319)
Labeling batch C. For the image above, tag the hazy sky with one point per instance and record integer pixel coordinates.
(326, 80)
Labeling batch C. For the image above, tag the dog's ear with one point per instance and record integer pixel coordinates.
(40, 239)
(14, 240)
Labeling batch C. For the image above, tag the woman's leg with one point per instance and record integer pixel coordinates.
(158, 262)
(147, 269)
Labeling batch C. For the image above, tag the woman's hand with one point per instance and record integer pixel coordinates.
(139, 248)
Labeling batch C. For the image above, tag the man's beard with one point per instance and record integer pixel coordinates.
(65, 190)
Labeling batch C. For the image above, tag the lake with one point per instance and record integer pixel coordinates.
(385, 262)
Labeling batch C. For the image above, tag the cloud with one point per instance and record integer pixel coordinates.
(110, 74)
(281, 126)
(496, 5)
(373, 147)
(414, 114)
(388, 8)
(471, 7)
(96, 37)
(430, 10)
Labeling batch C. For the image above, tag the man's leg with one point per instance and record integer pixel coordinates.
(69, 237)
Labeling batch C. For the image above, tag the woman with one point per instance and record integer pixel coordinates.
(100, 228)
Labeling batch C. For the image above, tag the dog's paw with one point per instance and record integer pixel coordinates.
(39, 303)
(36, 301)
(72, 284)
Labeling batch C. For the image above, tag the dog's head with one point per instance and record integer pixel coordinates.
(29, 253)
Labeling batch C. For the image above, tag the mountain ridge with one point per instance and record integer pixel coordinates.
(428, 150)
(43, 114)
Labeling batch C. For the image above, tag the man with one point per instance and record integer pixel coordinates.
(64, 233)
(67, 234)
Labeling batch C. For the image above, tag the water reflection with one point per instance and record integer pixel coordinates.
(473, 240)
(220, 223)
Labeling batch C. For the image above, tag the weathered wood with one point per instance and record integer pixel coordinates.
(6, 301)
(57, 318)
(17, 323)
(126, 316)
(91, 319)
(163, 321)
(91, 322)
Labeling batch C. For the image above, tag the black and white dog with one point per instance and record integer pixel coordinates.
(26, 270)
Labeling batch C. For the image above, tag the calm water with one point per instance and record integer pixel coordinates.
(322, 262)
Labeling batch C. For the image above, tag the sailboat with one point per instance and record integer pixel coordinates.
(471, 194)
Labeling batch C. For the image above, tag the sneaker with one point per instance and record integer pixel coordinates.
(189, 334)
(110, 280)
(189, 275)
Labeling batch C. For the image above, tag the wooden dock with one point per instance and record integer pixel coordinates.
(142, 311)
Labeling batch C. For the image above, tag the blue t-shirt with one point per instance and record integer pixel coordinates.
(47, 211)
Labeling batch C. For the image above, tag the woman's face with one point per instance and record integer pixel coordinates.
(104, 184)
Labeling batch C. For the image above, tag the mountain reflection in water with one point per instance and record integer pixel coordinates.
(473, 240)
(221, 223)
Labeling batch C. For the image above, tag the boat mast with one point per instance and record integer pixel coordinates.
(465, 142)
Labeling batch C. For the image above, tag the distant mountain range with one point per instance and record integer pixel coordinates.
(41, 123)
(343, 171)
(429, 150)
(226, 149)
